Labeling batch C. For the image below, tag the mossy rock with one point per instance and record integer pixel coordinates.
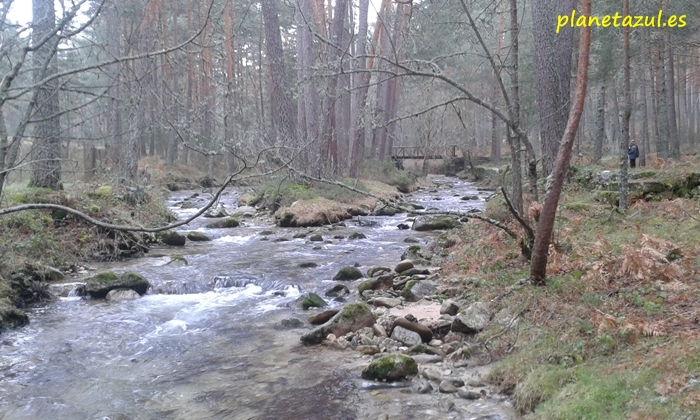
(195, 236)
(370, 284)
(348, 273)
(229, 222)
(10, 316)
(426, 223)
(98, 286)
(646, 174)
(611, 198)
(316, 238)
(311, 300)
(104, 192)
(395, 367)
(172, 238)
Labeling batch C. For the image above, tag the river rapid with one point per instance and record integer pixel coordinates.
(206, 341)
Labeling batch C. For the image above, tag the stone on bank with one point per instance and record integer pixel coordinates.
(350, 319)
(395, 367)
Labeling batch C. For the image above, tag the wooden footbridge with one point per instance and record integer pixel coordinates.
(420, 152)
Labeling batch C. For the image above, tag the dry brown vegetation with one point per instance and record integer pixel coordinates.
(615, 333)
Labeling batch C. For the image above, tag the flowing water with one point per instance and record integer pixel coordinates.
(205, 342)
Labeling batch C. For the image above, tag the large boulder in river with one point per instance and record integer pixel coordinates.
(348, 273)
(395, 367)
(98, 286)
(350, 319)
(473, 319)
(196, 236)
(229, 222)
(172, 238)
(440, 222)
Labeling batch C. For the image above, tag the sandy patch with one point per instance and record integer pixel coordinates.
(420, 310)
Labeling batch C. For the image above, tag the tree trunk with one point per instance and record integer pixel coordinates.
(538, 267)
(625, 115)
(662, 105)
(553, 63)
(329, 148)
(673, 140)
(46, 150)
(599, 126)
(278, 74)
(361, 83)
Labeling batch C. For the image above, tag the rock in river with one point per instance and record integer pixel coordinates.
(348, 273)
(351, 318)
(391, 368)
(311, 300)
(229, 222)
(197, 236)
(172, 238)
(121, 295)
(338, 290)
(98, 286)
(424, 223)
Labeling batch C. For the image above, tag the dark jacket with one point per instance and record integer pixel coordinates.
(633, 152)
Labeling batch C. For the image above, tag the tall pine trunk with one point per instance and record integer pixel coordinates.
(46, 150)
(553, 68)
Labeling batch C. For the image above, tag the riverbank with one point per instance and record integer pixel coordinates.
(615, 333)
(40, 246)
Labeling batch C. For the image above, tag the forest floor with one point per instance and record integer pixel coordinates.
(615, 333)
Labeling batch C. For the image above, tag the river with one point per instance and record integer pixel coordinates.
(205, 342)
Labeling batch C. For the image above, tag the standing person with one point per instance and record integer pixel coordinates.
(633, 153)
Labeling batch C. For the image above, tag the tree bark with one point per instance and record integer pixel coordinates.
(599, 126)
(361, 83)
(553, 64)
(278, 74)
(662, 104)
(625, 114)
(538, 267)
(671, 100)
(46, 150)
